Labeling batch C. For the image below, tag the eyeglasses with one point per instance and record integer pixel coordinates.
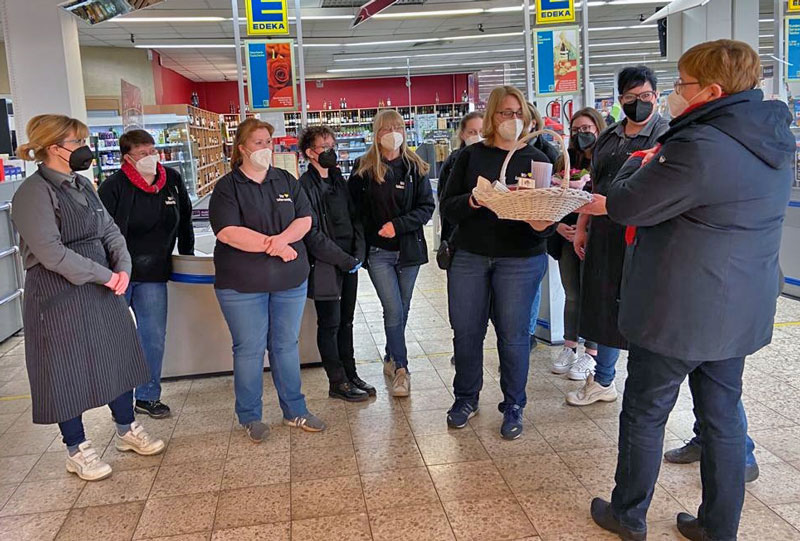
(143, 153)
(583, 129)
(508, 115)
(627, 99)
(397, 128)
(679, 84)
(77, 142)
(324, 148)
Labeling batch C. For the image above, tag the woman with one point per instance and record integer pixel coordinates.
(81, 347)
(585, 126)
(152, 209)
(336, 249)
(394, 199)
(260, 215)
(498, 265)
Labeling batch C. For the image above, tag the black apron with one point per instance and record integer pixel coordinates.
(81, 347)
(601, 275)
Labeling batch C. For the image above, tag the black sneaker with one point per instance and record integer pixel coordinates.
(687, 454)
(511, 428)
(604, 517)
(460, 413)
(154, 408)
(359, 383)
(751, 473)
(345, 391)
(690, 527)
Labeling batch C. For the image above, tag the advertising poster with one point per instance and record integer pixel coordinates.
(132, 112)
(555, 11)
(792, 49)
(557, 61)
(270, 75)
(267, 17)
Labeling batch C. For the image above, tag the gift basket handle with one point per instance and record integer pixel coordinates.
(524, 141)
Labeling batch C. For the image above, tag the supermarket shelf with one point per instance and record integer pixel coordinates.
(209, 165)
(209, 147)
(159, 145)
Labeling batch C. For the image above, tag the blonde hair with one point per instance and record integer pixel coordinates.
(371, 163)
(492, 106)
(733, 65)
(536, 117)
(45, 131)
(243, 132)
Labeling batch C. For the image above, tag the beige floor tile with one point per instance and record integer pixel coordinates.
(530, 443)
(316, 463)
(378, 428)
(574, 435)
(556, 511)
(121, 461)
(14, 406)
(552, 410)
(327, 497)
(5, 493)
(33, 527)
(51, 466)
(14, 469)
(427, 422)
(246, 471)
(210, 422)
(164, 517)
(682, 482)
(588, 535)
(592, 467)
(762, 524)
(663, 530)
(782, 442)
(206, 401)
(430, 399)
(468, 481)
(43, 496)
(281, 531)
(25, 443)
(413, 523)
(105, 523)
(252, 506)
(337, 433)
(350, 527)
(184, 449)
(388, 455)
(197, 536)
(488, 519)
(241, 445)
(387, 489)
(121, 487)
(192, 478)
(790, 512)
(536, 473)
(776, 484)
(455, 446)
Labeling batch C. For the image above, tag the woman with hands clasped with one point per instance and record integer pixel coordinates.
(81, 347)
(260, 215)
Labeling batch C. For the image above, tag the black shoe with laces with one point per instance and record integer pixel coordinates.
(460, 413)
(154, 408)
(604, 517)
(359, 383)
(690, 528)
(511, 428)
(687, 454)
(345, 391)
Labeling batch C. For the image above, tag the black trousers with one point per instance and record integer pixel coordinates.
(335, 332)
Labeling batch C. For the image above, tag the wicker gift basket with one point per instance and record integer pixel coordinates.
(526, 204)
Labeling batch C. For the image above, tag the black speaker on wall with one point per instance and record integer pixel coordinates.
(5, 128)
(662, 36)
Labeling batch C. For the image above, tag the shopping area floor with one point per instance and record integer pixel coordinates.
(388, 469)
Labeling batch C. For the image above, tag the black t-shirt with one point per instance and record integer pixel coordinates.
(385, 203)
(268, 208)
(480, 231)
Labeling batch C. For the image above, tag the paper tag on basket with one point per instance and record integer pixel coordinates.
(500, 187)
(542, 173)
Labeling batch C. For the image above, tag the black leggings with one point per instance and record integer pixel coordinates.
(569, 266)
(335, 332)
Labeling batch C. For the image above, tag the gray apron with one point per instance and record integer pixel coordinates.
(81, 347)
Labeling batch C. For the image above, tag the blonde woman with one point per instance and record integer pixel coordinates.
(81, 347)
(394, 198)
(498, 264)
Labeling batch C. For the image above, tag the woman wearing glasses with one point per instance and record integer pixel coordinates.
(81, 347)
(498, 265)
(600, 243)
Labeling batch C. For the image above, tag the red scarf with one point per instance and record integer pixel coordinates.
(138, 180)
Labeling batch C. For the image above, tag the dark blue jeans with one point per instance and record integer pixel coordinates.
(121, 410)
(508, 286)
(605, 368)
(149, 303)
(394, 285)
(650, 393)
(750, 458)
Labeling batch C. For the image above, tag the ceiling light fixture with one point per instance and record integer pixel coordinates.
(170, 20)
(187, 46)
(425, 55)
(621, 43)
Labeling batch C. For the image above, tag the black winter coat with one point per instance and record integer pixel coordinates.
(444, 175)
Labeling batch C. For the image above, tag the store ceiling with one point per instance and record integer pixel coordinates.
(465, 36)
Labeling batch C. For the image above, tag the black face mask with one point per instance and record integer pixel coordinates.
(638, 111)
(80, 159)
(585, 141)
(327, 159)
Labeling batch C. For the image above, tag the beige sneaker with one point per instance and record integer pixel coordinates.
(138, 441)
(592, 392)
(401, 383)
(86, 463)
(388, 367)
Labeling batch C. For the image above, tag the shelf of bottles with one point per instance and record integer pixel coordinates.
(206, 135)
(230, 121)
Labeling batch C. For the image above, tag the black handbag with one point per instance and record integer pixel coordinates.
(444, 256)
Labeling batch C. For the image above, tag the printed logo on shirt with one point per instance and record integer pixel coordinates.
(401, 185)
(170, 201)
(284, 198)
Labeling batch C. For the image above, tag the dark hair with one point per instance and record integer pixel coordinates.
(310, 135)
(134, 138)
(599, 122)
(463, 124)
(636, 76)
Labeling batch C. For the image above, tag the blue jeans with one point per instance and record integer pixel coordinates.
(149, 303)
(262, 322)
(508, 285)
(651, 391)
(394, 285)
(121, 410)
(750, 458)
(537, 303)
(605, 365)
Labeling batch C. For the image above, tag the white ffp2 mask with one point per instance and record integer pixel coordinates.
(148, 165)
(510, 129)
(392, 140)
(261, 158)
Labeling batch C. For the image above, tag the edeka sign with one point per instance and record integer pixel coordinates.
(266, 17)
(555, 11)
(794, 5)
(270, 75)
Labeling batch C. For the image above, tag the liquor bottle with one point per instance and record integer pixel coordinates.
(464, 96)
(437, 98)
(388, 102)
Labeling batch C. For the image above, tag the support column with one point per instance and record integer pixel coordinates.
(44, 61)
(721, 19)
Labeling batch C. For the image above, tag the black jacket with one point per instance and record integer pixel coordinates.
(418, 207)
(328, 260)
(444, 175)
(552, 152)
(700, 282)
(118, 193)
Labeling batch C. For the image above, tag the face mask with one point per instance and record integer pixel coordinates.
(392, 140)
(327, 159)
(80, 159)
(510, 129)
(261, 158)
(147, 165)
(472, 139)
(638, 111)
(678, 104)
(585, 141)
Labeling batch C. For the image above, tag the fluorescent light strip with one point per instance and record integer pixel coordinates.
(623, 63)
(187, 46)
(609, 28)
(766, 20)
(425, 55)
(619, 55)
(386, 68)
(621, 43)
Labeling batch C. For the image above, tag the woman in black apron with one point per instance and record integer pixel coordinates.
(81, 347)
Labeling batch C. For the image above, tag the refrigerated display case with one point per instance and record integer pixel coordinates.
(790, 242)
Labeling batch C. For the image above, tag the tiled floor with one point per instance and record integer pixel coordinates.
(387, 469)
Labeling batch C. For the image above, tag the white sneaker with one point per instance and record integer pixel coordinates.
(564, 361)
(582, 367)
(401, 384)
(592, 392)
(389, 367)
(138, 441)
(86, 463)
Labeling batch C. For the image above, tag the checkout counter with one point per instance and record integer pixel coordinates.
(790, 246)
